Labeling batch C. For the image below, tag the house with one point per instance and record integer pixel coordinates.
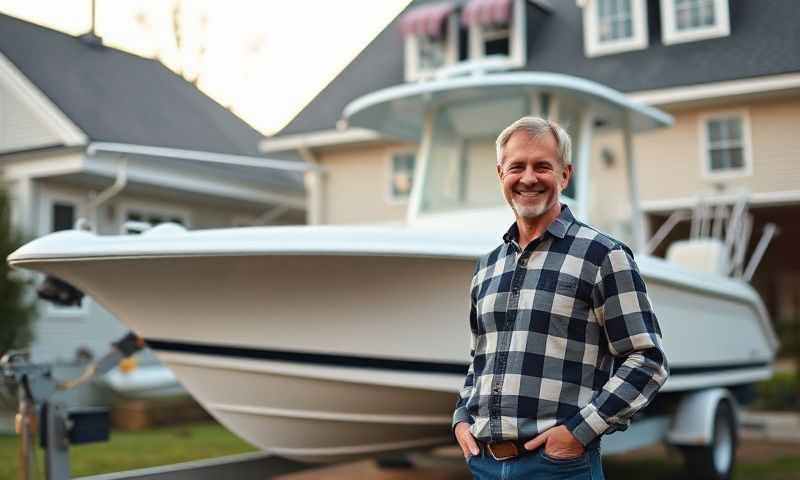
(88, 131)
(728, 71)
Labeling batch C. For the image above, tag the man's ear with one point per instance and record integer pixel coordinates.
(499, 172)
(566, 174)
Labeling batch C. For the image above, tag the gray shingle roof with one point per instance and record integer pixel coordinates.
(764, 40)
(115, 96)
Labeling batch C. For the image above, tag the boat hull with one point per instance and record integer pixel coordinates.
(325, 356)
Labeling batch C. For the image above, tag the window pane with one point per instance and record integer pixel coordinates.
(695, 15)
(63, 217)
(134, 217)
(682, 19)
(708, 14)
(691, 14)
(714, 131)
(615, 20)
(734, 129)
(402, 176)
(431, 52)
(718, 160)
(727, 159)
(499, 46)
(736, 158)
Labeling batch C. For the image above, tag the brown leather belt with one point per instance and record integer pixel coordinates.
(505, 450)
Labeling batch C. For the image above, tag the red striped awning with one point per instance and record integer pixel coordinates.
(427, 19)
(486, 12)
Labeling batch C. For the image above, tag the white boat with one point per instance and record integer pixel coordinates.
(322, 343)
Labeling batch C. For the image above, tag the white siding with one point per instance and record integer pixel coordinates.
(20, 128)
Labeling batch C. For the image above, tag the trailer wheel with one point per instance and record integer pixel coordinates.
(716, 460)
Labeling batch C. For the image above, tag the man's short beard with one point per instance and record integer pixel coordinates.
(529, 212)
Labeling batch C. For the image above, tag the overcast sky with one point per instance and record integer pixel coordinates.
(263, 59)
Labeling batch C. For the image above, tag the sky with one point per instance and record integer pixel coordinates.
(265, 60)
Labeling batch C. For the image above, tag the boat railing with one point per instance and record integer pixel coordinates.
(725, 228)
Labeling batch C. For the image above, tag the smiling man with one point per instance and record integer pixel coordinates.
(554, 308)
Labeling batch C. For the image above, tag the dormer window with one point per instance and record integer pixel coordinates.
(496, 30)
(431, 39)
(614, 26)
(691, 20)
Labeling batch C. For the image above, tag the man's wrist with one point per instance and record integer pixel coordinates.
(587, 425)
(460, 415)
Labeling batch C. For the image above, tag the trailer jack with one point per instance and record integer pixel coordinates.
(38, 398)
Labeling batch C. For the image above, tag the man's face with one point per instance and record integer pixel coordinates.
(531, 174)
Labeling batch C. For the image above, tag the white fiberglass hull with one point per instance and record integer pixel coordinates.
(347, 343)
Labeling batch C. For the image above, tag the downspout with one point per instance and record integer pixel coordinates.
(99, 199)
(315, 186)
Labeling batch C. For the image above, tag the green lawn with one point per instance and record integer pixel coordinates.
(757, 460)
(129, 450)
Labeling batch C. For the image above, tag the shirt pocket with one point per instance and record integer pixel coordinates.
(567, 286)
(564, 298)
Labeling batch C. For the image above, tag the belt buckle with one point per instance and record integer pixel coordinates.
(512, 451)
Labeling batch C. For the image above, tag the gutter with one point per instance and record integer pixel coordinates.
(310, 169)
(198, 156)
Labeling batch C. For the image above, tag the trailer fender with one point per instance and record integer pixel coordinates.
(693, 422)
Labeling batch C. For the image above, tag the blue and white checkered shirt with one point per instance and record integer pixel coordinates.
(549, 325)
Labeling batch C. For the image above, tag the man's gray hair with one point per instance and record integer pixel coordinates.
(536, 127)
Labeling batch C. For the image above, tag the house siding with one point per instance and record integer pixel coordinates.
(671, 160)
(609, 202)
(357, 185)
(20, 128)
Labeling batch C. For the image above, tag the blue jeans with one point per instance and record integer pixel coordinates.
(537, 465)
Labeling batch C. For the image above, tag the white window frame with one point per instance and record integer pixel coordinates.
(413, 72)
(47, 198)
(594, 48)
(747, 145)
(391, 199)
(150, 207)
(670, 34)
(516, 37)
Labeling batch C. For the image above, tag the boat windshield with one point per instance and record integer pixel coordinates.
(459, 171)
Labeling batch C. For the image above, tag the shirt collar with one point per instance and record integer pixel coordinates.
(557, 228)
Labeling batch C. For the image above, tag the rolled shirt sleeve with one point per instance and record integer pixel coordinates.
(623, 309)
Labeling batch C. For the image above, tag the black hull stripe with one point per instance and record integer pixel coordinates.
(337, 360)
(308, 358)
